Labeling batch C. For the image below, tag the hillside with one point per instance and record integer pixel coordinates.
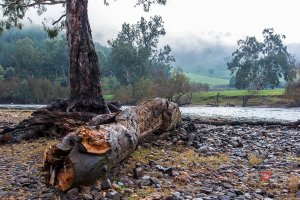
(199, 78)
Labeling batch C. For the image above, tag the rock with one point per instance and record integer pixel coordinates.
(157, 183)
(227, 185)
(258, 196)
(168, 171)
(238, 192)
(203, 149)
(73, 193)
(113, 195)
(285, 191)
(160, 168)
(260, 191)
(223, 197)
(138, 172)
(146, 181)
(231, 194)
(115, 186)
(87, 196)
(97, 195)
(128, 191)
(175, 196)
(106, 184)
(298, 194)
(206, 190)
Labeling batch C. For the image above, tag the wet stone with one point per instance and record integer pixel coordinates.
(73, 193)
(113, 195)
(106, 184)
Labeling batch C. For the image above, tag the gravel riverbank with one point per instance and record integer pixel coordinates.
(196, 161)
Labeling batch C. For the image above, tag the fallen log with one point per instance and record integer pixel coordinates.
(89, 152)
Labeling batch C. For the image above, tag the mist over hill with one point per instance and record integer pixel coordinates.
(203, 55)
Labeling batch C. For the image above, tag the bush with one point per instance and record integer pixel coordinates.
(39, 91)
(175, 87)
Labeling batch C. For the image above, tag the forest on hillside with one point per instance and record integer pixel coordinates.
(34, 69)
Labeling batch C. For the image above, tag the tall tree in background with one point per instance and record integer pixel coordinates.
(84, 65)
(259, 64)
(135, 53)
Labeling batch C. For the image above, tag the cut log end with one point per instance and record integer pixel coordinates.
(94, 141)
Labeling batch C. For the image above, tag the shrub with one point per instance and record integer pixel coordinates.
(40, 91)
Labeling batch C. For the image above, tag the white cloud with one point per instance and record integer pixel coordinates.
(226, 20)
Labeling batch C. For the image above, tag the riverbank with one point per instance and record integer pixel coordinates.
(195, 161)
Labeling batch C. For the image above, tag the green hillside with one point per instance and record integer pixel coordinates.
(207, 79)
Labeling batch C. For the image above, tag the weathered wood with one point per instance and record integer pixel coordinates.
(87, 153)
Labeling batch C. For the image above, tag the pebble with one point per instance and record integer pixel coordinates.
(138, 172)
(113, 195)
(73, 193)
(229, 180)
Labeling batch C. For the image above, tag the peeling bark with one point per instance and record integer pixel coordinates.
(84, 64)
(89, 152)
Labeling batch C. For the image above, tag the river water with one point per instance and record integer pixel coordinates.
(239, 113)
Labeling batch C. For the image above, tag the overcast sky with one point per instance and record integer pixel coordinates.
(187, 21)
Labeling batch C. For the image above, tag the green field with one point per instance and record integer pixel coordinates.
(108, 97)
(239, 93)
(263, 97)
(198, 78)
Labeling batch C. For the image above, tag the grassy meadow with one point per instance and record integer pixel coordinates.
(199, 78)
(261, 98)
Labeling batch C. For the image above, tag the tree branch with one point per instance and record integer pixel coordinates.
(37, 2)
(55, 22)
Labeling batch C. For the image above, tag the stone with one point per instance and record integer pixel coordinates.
(113, 195)
(106, 184)
(73, 193)
(203, 149)
(227, 185)
(238, 192)
(87, 196)
(96, 195)
(206, 190)
(115, 186)
(138, 172)
(146, 181)
(168, 171)
(223, 197)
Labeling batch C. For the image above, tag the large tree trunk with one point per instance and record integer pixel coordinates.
(89, 152)
(84, 65)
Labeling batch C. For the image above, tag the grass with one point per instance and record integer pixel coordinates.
(239, 93)
(269, 97)
(198, 78)
(254, 160)
(293, 183)
(108, 97)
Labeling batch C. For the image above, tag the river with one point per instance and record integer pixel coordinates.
(248, 113)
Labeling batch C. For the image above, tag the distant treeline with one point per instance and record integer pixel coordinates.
(34, 68)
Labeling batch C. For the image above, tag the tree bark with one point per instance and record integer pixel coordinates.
(89, 152)
(84, 65)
